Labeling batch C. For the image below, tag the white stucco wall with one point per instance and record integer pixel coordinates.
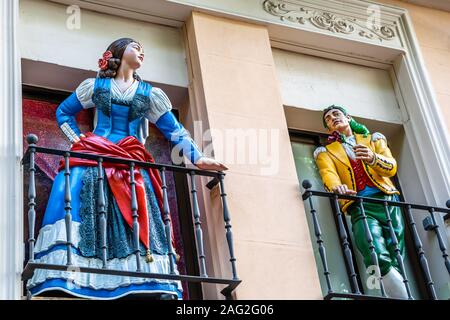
(44, 36)
(314, 83)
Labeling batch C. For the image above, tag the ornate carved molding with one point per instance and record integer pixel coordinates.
(297, 13)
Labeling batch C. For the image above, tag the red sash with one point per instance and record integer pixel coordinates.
(118, 175)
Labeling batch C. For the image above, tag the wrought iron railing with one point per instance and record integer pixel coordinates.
(429, 224)
(203, 277)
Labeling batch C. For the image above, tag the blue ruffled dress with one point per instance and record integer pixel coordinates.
(118, 115)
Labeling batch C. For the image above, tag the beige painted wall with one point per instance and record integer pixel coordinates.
(313, 83)
(234, 82)
(432, 28)
(45, 37)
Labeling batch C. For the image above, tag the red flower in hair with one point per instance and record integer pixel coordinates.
(103, 62)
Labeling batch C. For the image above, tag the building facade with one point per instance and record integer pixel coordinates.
(249, 80)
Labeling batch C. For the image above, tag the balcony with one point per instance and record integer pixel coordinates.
(217, 178)
(429, 223)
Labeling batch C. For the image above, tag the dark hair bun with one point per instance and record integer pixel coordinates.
(117, 49)
(113, 66)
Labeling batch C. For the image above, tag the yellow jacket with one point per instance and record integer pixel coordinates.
(335, 168)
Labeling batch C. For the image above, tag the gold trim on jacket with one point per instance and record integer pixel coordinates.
(335, 168)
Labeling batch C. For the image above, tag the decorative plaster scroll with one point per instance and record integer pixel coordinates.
(287, 11)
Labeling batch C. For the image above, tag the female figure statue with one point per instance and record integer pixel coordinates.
(124, 104)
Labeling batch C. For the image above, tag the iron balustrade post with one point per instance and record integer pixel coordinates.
(198, 228)
(134, 210)
(32, 141)
(227, 219)
(421, 253)
(441, 242)
(68, 208)
(369, 239)
(318, 233)
(347, 252)
(167, 222)
(398, 255)
(101, 208)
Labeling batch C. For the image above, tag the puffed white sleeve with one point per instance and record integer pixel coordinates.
(159, 104)
(161, 115)
(84, 93)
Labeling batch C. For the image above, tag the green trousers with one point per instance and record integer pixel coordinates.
(378, 226)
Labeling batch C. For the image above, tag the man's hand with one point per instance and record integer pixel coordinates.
(364, 153)
(206, 163)
(343, 189)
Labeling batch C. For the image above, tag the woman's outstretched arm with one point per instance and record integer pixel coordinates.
(178, 135)
(174, 131)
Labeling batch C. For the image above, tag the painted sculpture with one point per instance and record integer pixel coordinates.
(124, 105)
(356, 162)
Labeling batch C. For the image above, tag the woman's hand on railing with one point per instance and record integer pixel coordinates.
(343, 189)
(206, 163)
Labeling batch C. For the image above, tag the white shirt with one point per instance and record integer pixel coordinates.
(350, 141)
(159, 102)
